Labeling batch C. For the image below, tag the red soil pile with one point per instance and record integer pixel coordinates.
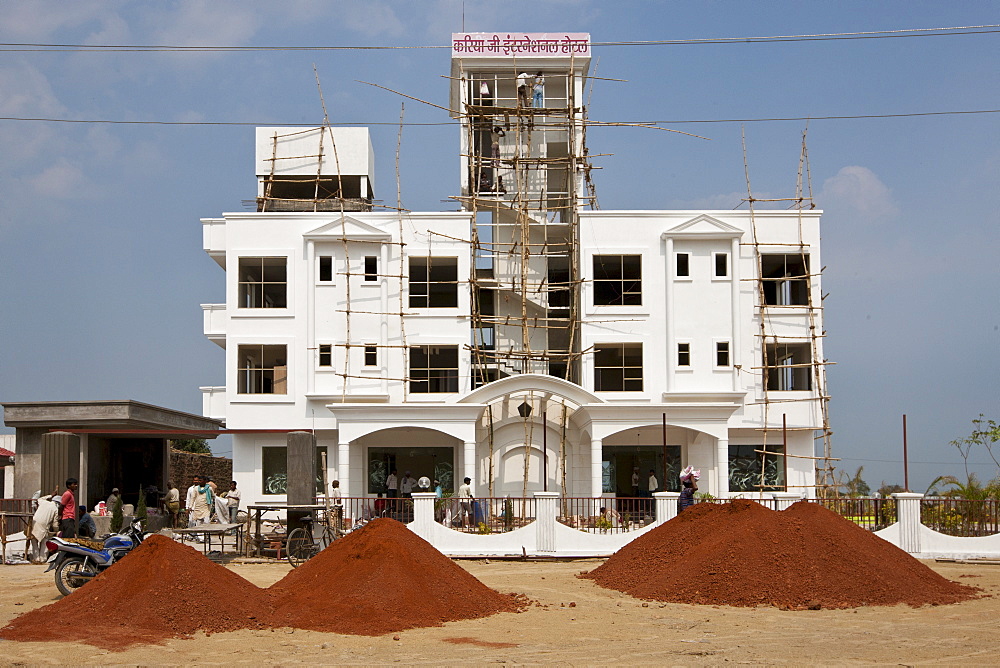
(743, 554)
(161, 590)
(379, 579)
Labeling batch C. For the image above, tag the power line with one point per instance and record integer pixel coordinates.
(872, 34)
(40, 119)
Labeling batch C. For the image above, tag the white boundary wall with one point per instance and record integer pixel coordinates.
(547, 537)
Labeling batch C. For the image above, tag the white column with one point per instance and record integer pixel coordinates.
(668, 296)
(423, 514)
(469, 464)
(783, 500)
(596, 455)
(722, 468)
(666, 506)
(908, 512)
(344, 469)
(546, 507)
(734, 353)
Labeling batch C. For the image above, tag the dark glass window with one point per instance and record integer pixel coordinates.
(262, 282)
(371, 268)
(325, 268)
(433, 369)
(433, 282)
(617, 280)
(618, 367)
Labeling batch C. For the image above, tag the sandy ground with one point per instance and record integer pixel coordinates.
(602, 627)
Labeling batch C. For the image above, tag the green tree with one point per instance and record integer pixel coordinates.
(985, 434)
(855, 486)
(199, 446)
(886, 489)
(972, 489)
(140, 508)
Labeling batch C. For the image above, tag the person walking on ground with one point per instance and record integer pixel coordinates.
(172, 502)
(201, 505)
(337, 504)
(67, 514)
(689, 480)
(192, 492)
(233, 501)
(465, 499)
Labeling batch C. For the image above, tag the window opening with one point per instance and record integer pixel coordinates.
(722, 353)
(325, 354)
(262, 369)
(433, 282)
(683, 354)
(371, 268)
(721, 265)
(745, 464)
(618, 367)
(262, 282)
(683, 264)
(433, 369)
(617, 280)
(788, 366)
(785, 279)
(371, 355)
(325, 268)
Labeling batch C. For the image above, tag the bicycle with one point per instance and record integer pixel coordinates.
(302, 543)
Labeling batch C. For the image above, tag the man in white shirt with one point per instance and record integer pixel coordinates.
(406, 486)
(233, 501)
(523, 89)
(465, 499)
(391, 485)
(653, 483)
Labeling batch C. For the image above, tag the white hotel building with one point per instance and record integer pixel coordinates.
(524, 340)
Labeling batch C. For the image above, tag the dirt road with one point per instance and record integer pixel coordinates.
(574, 622)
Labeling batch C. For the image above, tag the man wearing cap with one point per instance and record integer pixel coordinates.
(113, 500)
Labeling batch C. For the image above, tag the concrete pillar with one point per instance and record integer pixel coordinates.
(344, 470)
(423, 514)
(596, 474)
(28, 470)
(908, 512)
(666, 506)
(546, 507)
(301, 469)
(783, 500)
(60, 459)
(469, 463)
(722, 468)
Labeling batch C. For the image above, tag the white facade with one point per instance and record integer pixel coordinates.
(360, 325)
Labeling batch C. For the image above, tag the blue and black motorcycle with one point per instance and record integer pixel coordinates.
(77, 561)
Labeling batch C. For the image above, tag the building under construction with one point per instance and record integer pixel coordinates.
(529, 341)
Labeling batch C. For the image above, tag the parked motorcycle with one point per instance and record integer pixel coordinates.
(76, 564)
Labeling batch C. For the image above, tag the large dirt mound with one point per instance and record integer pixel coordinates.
(743, 554)
(379, 579)
(161, 590)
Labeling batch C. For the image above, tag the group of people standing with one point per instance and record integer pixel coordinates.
(205, 504)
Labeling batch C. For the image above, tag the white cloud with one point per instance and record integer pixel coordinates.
(858, 189)
(62, 180)
(37, 21)
(200, 22)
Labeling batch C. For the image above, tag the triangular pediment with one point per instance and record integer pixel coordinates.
(704, 227)
(347, 228)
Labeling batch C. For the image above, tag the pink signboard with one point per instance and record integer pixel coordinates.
(527, 44)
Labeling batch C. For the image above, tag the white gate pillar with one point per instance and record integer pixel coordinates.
(469, 462)
(344, 470)
(423, 514)
(546, 507)
(666, 506)
(908, 512)
(722, 468)
(596, 474)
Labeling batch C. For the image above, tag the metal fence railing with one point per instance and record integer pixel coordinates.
(961, 517)
(606, 515)
(485, 515)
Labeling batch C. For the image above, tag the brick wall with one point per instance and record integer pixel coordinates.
(184, 466)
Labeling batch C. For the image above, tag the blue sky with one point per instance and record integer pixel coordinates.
(100, 245)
